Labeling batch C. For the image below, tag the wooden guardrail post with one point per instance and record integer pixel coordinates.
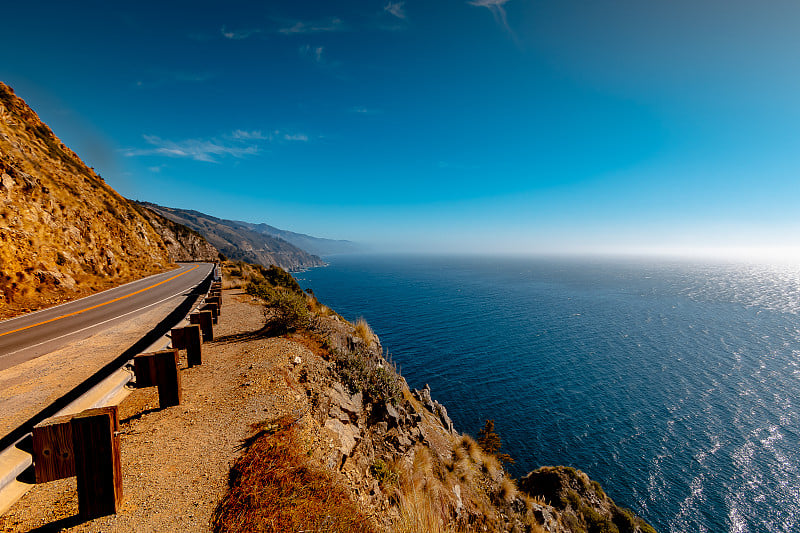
(214, 311)
(204, 320)
(160, 369)
(215, 300)
(189, 338)
(194, 345)
(96, 442)
(53, 456)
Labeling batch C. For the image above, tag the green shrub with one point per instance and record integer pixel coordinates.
(624, 520)
(285, 311)
(359, 372)
(596, 522)
(278, 277)
(384, 474)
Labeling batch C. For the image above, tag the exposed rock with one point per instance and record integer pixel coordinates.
(348, 434)
(351, 404)
(424, 396)
(578, 500)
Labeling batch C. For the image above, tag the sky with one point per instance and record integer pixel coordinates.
(508, 126)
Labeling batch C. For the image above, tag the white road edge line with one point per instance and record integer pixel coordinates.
(94, 325)
(93, 295)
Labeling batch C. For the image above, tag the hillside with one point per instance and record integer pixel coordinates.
(237, 240)
(183, 244)
(64, 232)
(313, 245)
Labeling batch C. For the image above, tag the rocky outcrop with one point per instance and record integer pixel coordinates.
(64, 232)
(183, 244)
(237, 241)
(576, 503)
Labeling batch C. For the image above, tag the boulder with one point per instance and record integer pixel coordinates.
(348, 434)
(351, 404)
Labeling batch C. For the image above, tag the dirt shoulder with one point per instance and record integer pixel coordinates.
(175, 461)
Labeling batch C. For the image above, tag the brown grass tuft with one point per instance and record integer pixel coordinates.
(507, 490)
(363, 331)
(473, 449)
(491, 465)
(274, 486)
(424, 502)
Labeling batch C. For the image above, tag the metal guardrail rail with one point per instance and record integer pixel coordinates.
(108, 386)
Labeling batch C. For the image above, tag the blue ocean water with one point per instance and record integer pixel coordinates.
(676, 385)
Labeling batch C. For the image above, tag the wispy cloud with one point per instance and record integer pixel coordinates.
(237, 144)
(396, 8)
(313, 52)
(270, 136)
(365, 110)
(328, 25)
(238, 35)
(208, 150)
(498, 11)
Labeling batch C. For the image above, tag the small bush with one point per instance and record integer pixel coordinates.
(361, 373)
(278, 277)
(386, 476)
(285, 311)
(490, 442)
(363, 331)
(507, 490)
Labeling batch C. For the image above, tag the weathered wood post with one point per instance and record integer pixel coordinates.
(204, 320)
(160, 369)
(194, 345)
(53, 456)
(215, 300)
(96, 442)
(214, 312)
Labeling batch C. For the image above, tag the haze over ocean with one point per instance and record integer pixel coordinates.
(673, 384)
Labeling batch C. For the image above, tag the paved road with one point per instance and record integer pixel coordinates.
(29, 336)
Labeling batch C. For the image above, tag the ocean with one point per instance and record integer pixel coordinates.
(674, 384)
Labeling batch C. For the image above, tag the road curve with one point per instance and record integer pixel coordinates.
(27, 337)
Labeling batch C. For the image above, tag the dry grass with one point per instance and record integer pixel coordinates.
(473, 449)
(491, 465)
(507, 490)
(424, 502)
(363, 331)
(275, 487)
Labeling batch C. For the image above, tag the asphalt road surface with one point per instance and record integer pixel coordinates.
(29, 336)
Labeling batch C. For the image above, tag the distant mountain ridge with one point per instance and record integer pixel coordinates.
(240, 240)
(313, 245)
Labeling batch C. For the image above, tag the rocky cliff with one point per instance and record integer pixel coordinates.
(183, 244)
(64, 232)
(236, 240)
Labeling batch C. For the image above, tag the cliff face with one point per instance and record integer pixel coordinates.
(63, 231)
(238, 241)
(183, 244)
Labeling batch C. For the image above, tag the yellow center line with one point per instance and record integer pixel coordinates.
(99, 305)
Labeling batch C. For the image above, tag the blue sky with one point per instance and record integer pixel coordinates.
(497, 125)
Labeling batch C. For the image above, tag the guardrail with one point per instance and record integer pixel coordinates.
(107, 388)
